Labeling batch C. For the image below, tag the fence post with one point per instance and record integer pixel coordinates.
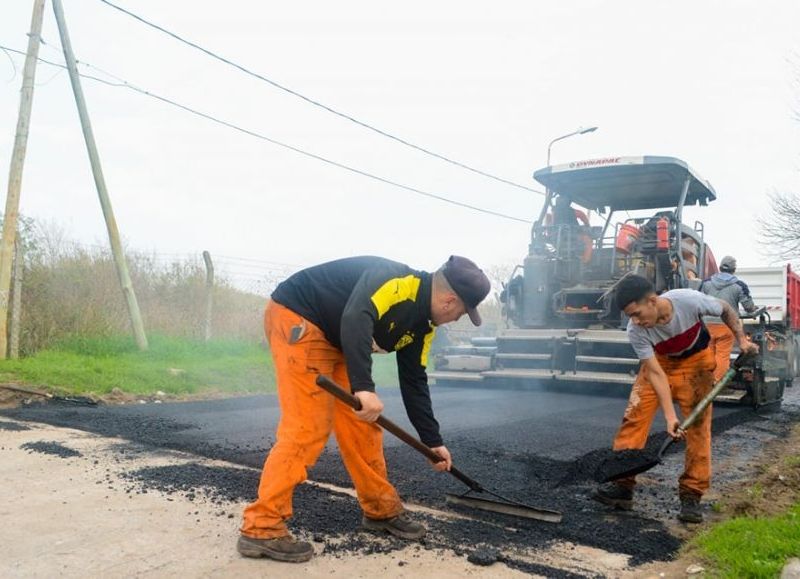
(16, 302)
(209, 293)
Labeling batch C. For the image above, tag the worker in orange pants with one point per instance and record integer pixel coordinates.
(669, 337)
(689, 379)
(300, 440)
(330, 319)
(722, 346)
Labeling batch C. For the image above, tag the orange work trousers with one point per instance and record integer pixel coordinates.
(308, 415)
(690, 379)
(722, 344)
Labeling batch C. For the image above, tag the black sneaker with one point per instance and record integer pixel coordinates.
(615, 495)
(285, 549)
(691, 512)
(400, 526)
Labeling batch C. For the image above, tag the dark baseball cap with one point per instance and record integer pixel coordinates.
(469, 282)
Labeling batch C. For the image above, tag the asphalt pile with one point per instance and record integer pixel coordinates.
(12, 426)
(51, 448)
(333, 519)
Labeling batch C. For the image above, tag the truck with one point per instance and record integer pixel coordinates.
(601, 219)
(775, 327)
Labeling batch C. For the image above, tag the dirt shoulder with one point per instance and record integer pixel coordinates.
(771, 488)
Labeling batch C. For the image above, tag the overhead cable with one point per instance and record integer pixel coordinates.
(252, 133)
(317, 103)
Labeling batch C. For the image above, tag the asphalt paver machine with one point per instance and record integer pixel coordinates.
(601, 219)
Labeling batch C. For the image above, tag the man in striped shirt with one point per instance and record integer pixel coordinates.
(672, 342)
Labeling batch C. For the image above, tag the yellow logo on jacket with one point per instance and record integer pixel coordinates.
(404, 341)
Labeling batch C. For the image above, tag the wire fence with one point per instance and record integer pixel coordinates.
(68, 288)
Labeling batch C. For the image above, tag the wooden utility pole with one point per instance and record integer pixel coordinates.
(209, 293)
(11, 217)
(100, 182)
(16, 302)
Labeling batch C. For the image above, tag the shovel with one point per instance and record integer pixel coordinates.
(504, 506)
(628, 463)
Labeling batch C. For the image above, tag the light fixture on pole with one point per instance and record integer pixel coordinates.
(548, 192)
(580, 131)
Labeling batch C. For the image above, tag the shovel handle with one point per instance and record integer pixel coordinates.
(708, 399)
(718, 387)
(341, 394)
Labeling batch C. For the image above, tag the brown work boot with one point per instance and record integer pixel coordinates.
(691, 511)
(400, 526)
(280, 548)
(615, 495)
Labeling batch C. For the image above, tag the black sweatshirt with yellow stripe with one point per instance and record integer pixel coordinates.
(364, 303)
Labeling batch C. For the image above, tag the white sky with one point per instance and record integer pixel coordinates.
(489, 84)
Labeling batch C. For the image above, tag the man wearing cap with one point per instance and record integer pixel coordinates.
(730, 289)
(329, 319)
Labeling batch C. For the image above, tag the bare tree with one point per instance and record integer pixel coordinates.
(780, 228)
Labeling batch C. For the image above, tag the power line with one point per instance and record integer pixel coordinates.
(317, 103)
(126, 84)
(13, 66)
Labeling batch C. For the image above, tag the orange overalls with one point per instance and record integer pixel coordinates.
(690, 379)
(308, 415)
(722, 344)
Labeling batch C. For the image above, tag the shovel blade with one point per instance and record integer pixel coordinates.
(616, 468)
(505, 508)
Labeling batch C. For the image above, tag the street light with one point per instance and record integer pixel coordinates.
(548, 193)
(580, 131)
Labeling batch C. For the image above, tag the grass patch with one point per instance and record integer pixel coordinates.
(384, 370)
(173, 365)
(756, 492)
(752, 547)
(792, 461)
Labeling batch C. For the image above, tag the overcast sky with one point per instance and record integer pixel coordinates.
(488, 84)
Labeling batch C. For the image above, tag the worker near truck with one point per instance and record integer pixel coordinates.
(329, 319)
(676, 365)
(729, 288)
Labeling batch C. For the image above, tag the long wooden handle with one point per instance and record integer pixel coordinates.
(340, 393)
(708, 399)
(718, 387)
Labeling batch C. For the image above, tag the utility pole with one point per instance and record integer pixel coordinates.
(16, 303)
(11, 217)
(100, 182)
(209, 293)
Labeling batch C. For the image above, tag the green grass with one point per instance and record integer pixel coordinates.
(792, 461)
(384, 370)
(756, 492)
(172, 365)
(752, 547)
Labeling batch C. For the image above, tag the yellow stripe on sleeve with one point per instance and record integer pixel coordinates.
(394, 291)
(426, 347)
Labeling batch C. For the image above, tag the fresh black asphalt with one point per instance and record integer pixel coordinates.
(537, 446)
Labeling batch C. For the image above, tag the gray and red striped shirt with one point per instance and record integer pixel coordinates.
(685, 333)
